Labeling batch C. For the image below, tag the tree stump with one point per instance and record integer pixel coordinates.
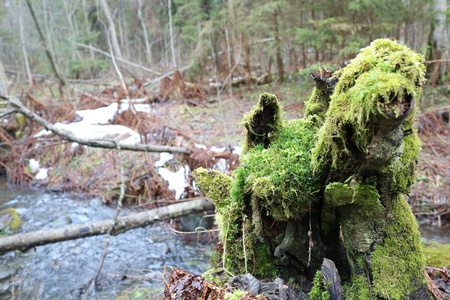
(332, 184)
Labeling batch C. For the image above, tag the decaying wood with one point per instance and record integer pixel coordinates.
(331, 279)
(28, 240)
(16, 103)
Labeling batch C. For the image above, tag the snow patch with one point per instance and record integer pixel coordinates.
(34, 165)
(218, 150)
(237, 150)
(177, 180)
(163, 158)
(90, 127)
(42, 174)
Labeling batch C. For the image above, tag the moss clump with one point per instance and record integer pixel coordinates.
(404, 169)
(319, 290)
(399, 262)
(375, 85)
(10, 214)
(357, 288)
(437, 255)
(216, 185)
(280, 176)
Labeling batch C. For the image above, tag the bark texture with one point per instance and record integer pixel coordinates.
(331, 185)
(29, 240)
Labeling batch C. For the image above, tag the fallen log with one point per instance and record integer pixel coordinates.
(25, 241)
(111, 144)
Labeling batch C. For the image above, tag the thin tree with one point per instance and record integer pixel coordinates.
(172, 47)
(111, 28)
(24, 49)
(46, 46)
(148, 48)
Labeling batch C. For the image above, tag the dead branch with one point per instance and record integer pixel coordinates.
(28, 240)
(90, 142)
(117, 58)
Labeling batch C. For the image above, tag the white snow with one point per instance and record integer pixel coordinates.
(42, 174)
(34, 165)
(90, 127)
(221, 165)
(237, 150)
(215, 149)
(163, 158)
(176, 180)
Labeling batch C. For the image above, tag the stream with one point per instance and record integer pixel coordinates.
(59, 270)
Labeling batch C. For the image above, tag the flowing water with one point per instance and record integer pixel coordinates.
(58, 271)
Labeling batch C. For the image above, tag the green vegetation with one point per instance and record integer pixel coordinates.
(319, 290)
(383, 72)
(437, 255)
(11, 216)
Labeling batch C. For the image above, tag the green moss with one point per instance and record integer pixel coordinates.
(235, 295)
(405, 169)
(216, 186)
(265, 266)
(8, 214)
(319, 290)
(437, 255)
(280, 176)
(399, 263)
(357, 288)
(382, 73)
(317, 105)
(360, 210)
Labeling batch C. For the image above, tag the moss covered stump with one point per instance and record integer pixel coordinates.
(331, 185)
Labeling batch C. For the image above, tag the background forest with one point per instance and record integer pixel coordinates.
(209, 38)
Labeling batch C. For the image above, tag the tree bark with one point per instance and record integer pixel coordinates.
(111, 28)
(88, 142)
(278, 46)
(148, 48)
(25, 241)
(172, 47)
(3, 81)
(46, 46)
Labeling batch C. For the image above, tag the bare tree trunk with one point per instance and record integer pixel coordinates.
(24, 49)
(3, 81)
(46, 46)
(148, 48)
(278, 46)
(230, 71)
(28, 240)
(111, 28)
(439, 40)
(172, 47)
